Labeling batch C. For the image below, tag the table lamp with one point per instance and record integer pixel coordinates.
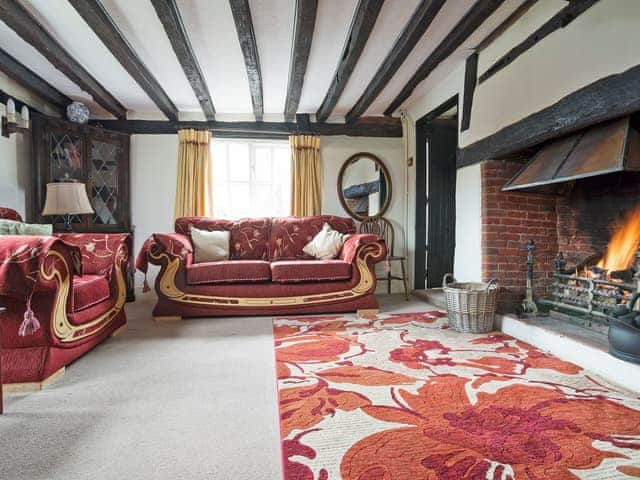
(66, 199)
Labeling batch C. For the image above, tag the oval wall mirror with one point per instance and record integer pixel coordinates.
(364, 186)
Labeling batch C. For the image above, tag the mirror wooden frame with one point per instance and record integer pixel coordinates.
(387, 177)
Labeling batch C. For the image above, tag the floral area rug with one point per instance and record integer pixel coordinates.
(402, 397)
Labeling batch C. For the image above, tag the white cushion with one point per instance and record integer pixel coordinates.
(210, 246)
(326, 244)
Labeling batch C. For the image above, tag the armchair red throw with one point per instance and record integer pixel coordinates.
(73, 285)
(268, 273)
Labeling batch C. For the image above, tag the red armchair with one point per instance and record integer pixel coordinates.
(64, 295)
(268, 273)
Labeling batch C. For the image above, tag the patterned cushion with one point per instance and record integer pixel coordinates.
(289, 235)
(228, 271)
(89, 290)
(249, 236)
(293, 271)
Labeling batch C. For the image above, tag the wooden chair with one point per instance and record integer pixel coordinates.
(383, 227)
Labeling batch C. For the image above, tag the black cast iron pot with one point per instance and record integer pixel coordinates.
(624, 333)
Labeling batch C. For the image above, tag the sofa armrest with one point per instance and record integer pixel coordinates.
(357, 243)
(175, 245)
(26, 262)
(99, 250)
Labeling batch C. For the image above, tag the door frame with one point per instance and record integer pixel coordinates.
(421, 200)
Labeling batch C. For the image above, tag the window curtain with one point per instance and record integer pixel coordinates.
(306, 175)
(193, 185)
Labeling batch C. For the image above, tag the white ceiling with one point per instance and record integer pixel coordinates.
(213, 35)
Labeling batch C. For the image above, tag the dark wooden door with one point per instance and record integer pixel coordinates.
(435, 201)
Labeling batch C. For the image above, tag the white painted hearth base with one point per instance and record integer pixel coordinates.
(573, 344)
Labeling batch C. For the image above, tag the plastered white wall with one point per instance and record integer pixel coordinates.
(154, 167)
(467, 265)
(15, 152)
(602, 41)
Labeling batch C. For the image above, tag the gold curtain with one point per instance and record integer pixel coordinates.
(306, 175)
(193, 185)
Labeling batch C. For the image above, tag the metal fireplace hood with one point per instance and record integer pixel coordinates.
(605, 148)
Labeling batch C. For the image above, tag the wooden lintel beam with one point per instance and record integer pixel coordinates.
(605, 99)
(96, 16)
(31, 31)
(364, 127)
(305, 20)
(30, 80)
(470, 81)
(414, 30)
(169, 15)
(560, 20)
(247, 38)
(361, 26)
(475, 17)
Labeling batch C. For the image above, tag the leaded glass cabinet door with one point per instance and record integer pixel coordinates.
(66, 162)
(107, 181)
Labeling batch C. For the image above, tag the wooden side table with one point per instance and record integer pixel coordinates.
(2, 309)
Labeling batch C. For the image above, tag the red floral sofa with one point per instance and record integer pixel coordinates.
(64, 294)
(268, 273)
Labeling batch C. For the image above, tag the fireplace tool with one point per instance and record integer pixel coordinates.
(529, 304)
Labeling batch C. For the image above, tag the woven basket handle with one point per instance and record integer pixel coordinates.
(492, 285)
(445, 284)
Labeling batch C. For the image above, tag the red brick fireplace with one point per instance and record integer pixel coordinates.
(576, 220)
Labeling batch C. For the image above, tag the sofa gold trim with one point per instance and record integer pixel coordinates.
(63, 329)
(169, 289)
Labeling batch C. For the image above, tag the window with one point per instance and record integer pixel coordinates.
(251, 178)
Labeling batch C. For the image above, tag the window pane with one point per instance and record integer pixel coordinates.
(219, 164)
(263, 164)
(238, 162)
(250, 178)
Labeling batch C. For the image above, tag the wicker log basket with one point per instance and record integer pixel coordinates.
(471, 306)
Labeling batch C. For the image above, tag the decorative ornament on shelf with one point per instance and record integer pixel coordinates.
(78, 112)
(10, 123)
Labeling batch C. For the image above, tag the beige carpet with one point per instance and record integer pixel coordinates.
(186, 400)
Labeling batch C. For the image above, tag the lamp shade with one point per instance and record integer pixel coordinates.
(66, 198)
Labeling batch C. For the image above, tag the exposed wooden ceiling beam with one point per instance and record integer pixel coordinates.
(105, 28)
(560, 20)
(413, 31)
(610, 97)
(171, 20)
(302, 36)
(32, 31)
(30, 80)
(363, 21)
(504, 25)
(363, 127)
(247, 37)
(475, 17)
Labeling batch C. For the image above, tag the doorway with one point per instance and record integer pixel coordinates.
(436, 149)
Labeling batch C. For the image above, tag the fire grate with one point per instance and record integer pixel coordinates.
(590, 293)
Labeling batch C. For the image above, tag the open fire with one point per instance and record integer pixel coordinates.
(601, 286)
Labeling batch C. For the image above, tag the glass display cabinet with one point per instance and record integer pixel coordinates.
(99, 158)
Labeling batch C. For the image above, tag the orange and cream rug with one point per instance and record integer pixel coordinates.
(402, 397)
